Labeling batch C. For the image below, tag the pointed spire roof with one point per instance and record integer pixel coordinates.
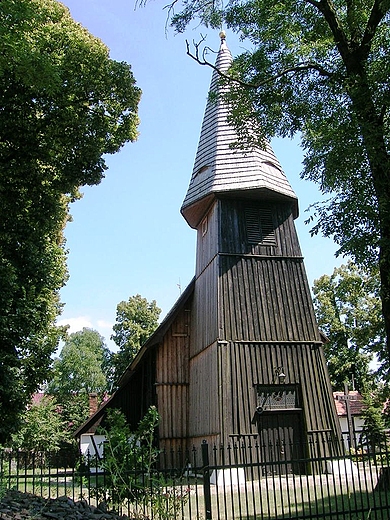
(219, 169)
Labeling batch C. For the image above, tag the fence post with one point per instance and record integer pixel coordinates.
(206, 479)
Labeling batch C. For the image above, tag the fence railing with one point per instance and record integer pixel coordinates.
(238, 481)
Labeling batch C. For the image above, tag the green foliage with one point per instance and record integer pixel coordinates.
(373, 437)
(42, 428)
(79, 367)
(136, 320)
(128, 456)
(79, 371)
(65, 104)
(74, 411)
(319, 68)
(348, 311)
(131, 476)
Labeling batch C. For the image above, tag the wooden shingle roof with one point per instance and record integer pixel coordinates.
(219, 169)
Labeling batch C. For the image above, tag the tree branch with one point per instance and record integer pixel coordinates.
(300, 67)
(378, 12)
(328, 10)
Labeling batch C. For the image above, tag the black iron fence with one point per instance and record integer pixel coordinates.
(238, 481)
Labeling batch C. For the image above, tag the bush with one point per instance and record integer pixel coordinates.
(130, 469)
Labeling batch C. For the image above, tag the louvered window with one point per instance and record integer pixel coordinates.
(259, 226)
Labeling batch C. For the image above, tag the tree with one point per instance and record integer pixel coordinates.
(64, 104)
(79, 367)
(42, 428)
(79, 371)
(348, 311)
(321, 68)
(136, 320)
(373, 436)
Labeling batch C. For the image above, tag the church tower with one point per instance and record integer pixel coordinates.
(256, 362)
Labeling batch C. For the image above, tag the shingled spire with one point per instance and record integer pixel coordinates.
(220, 169)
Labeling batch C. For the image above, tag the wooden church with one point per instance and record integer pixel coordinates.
(240, 353)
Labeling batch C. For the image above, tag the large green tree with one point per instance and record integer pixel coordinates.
(43, 427)
(64, 104)
(348, 311)
(320, 68)
(82, 368)
(136, 320)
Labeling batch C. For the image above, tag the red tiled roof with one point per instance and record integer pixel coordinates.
(355, 401)
(37, 398)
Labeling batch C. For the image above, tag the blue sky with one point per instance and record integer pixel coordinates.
(128, 236)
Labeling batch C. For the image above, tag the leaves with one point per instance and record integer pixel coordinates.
(320, 69)
(79, 368)
(129, 456)
(136, 320)
(348, 311)
(43, 428)
(64, 104)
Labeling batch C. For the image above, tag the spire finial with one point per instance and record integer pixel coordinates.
(222, 35)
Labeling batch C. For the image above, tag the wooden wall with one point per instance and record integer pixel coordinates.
(244, 365)
(264, 293)
(205, 319)
(204, 397)
(207, 239)
(135, 398)
(265, 298)
(172, 379)
(233, 229)
(252, 311)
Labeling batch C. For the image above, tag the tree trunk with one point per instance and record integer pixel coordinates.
(373, 133)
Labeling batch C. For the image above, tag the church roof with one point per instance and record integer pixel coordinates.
(219, 169)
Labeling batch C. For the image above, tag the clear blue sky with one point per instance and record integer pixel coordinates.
(128, 236)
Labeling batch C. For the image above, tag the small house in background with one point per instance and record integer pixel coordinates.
(240, 354)
(350, 414)
(90, 442)
(37, 398)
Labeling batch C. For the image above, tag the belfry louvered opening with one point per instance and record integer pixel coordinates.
(259, 226)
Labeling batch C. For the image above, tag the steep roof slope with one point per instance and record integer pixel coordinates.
(220, 169)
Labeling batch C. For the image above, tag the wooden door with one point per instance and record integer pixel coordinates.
(281, 441)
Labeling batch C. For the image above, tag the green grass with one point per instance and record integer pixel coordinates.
(325, 497)
(295, 497)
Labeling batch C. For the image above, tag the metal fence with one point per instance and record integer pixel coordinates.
(237, 481)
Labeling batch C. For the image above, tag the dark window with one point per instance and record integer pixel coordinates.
(259, 226)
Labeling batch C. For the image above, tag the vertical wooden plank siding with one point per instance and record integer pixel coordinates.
(205, 309)
(139, 394)
(207, 240)
(254, 363)
(265, 299)
(233, 230)
(172, 379)
(204, 399)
